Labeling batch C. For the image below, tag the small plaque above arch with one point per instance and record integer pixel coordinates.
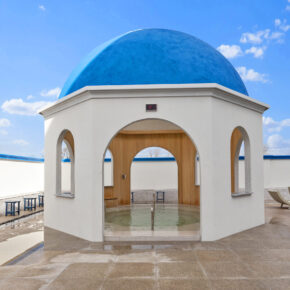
(151, 107)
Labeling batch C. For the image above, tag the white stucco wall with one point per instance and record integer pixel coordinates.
(20, 177)
(231, 214)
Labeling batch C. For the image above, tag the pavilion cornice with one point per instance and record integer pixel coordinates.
(154, 91)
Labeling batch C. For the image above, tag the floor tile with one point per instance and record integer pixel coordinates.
(270, 269)
(180, 269)
(75, 284)
(21, 283)
(216, 256)
(176, 255)
(140, 257)
(132, 270)
(41, 270)
(184, 284)
(226, 270)
(85, 271)
(277, 284)
(130, 284)
(261, 255)
(238, 284)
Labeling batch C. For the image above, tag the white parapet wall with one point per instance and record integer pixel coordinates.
(276, 173)
(20, 177)
(152, 174)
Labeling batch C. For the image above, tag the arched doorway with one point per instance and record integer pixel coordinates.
(119, 220)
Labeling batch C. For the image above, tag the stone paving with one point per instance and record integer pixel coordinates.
(255, 259)
(10, 219)
(22, 226)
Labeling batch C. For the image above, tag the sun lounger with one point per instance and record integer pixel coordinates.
(279, 198)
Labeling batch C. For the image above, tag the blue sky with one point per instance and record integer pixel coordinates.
(42, 41)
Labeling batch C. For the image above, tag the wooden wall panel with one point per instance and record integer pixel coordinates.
(188, 190)
(124, 148)
(109, 192)
(235, 144)
(70, 139)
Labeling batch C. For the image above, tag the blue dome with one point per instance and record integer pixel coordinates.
(154, 56)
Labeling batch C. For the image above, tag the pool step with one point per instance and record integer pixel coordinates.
(156, 236)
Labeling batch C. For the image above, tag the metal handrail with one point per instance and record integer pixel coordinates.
(153, 212)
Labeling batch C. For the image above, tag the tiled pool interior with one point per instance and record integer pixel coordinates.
(168, 217)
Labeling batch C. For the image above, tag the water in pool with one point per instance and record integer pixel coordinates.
(138, 217)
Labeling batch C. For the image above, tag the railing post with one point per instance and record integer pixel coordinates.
(153, 212)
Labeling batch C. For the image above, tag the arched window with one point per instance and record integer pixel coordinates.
(65, 184)
(240, 150)
(109, 169)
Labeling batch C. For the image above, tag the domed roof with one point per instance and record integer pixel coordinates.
(154, 56)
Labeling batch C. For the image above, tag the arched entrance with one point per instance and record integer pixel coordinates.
(124, 146)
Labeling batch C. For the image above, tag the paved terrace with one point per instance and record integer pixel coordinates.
(7, 219)
(255, 259)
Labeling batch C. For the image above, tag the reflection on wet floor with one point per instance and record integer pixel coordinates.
(15, 246)
(20, 235)
(23, 214)
(22, 226)
(254, 259)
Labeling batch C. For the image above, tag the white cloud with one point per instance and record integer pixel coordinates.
(20, 107)
(20, 142)
(4, 123)
(51, 93)
(258, 52)
(270, 125)
(282, 25)
(255, 38)
(274, 141)
(288, 7)
(29, 97)
(251, 75)
(230, 51)
(277, 22)
(276, 144)
(275, 35)
(41, 7)
(262, 35)
(285, 27)
(268, 121)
